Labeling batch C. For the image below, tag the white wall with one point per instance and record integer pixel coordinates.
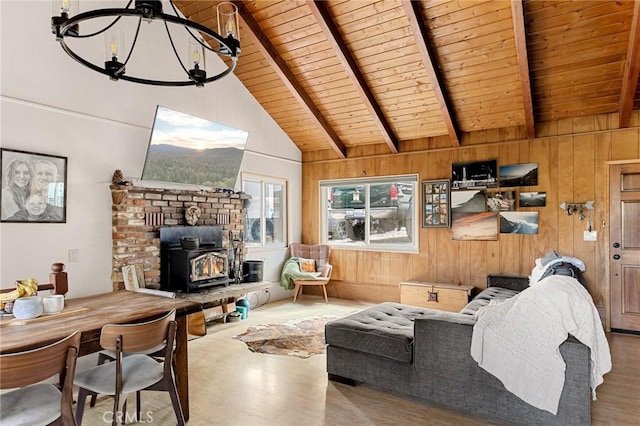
(50, 104)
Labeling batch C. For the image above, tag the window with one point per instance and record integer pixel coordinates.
(376, 213)
(266, 215)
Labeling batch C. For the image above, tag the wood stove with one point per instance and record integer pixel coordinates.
(192, 269)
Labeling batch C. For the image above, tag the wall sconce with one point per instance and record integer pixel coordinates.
(577, 208)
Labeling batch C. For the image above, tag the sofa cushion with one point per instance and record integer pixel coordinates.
(385, 330)
(486, 295)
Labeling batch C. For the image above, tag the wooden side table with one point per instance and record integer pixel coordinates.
(446, 297)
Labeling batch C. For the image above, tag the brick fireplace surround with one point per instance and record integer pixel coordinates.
(138, 213)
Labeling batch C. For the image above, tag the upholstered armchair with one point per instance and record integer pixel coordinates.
(320, 254)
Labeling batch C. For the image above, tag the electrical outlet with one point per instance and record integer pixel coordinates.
(74, 255)
(590, 235)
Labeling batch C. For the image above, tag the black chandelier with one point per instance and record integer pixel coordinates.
(66, 26)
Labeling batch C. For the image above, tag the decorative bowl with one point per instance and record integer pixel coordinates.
(27, 307)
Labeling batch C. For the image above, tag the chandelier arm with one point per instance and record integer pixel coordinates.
(133, 44)
(104, 29)
(174, 48)
(200, 42)
(206, 46)
(97, 32)
(81, 60)
(229, 70)
(199, 27)
(92, 14)
(173, 6)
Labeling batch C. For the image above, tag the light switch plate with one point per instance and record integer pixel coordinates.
(590, 235)
(74, 255)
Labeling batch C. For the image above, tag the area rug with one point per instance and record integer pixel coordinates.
(302, 338)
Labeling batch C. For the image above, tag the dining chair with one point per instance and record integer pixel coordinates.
(109, 356)
(319, 255)
(137, 370)
(34, 402)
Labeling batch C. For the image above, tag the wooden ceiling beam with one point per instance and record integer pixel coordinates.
(288, 78)
(631, 71)
(322, 15)
(517, 13)
(428, 59)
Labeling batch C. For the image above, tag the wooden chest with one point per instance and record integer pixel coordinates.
(446, 297)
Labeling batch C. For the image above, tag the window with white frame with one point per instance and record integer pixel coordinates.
(266, 221)
(378, 213)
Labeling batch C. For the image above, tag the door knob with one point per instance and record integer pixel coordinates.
(616, 257)
(616, 245)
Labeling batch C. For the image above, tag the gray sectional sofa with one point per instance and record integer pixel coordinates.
(425, 353)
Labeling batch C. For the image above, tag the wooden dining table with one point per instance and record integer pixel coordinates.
(90, 314)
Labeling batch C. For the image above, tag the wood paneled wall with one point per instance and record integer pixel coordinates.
(572, 156)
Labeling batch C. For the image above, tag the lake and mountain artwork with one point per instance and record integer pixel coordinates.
(468, 201)
(519, 175)
(518, 222)
(533, 199)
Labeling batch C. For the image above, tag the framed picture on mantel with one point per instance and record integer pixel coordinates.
(436, 203)
(34, 187)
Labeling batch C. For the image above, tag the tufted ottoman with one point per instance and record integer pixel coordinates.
(385, 330)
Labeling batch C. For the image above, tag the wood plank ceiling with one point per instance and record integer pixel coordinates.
(339, 75)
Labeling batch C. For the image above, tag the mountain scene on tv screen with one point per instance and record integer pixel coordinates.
(215, 167)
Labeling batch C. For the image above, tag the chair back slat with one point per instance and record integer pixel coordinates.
(25, 368)
(137, 337)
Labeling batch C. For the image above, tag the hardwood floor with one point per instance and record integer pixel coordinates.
(230, 385)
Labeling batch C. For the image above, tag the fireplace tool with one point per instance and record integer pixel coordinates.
(237, 256)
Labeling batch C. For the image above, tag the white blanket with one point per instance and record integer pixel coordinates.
(518, 340)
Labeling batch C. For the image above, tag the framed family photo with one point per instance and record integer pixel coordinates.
(34, 187)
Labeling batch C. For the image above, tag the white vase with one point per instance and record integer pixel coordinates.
(27, 307)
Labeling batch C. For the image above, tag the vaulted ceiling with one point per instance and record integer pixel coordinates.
(337, 75)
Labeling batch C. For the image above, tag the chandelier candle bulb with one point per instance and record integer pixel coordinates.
(196, 57)
(66, 7)
(196, 53)
(115, 43)
(228, 20)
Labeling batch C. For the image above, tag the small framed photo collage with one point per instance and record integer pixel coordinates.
(436, 203)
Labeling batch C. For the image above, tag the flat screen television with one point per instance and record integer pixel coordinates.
(191, 150)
